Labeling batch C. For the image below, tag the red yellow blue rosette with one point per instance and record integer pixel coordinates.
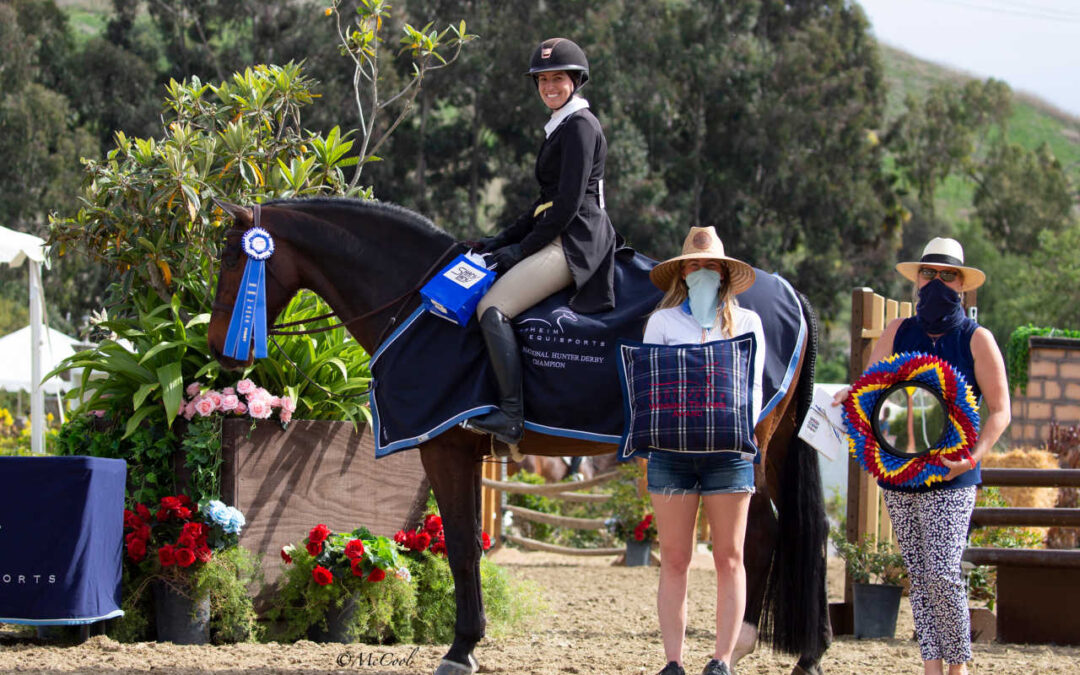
(961, 429)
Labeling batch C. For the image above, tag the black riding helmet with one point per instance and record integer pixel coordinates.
(560, 54)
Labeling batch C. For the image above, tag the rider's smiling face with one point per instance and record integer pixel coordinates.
(555, 88)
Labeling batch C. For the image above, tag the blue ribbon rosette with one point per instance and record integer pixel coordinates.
(248, 322)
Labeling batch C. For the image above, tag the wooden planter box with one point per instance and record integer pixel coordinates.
(287, 481)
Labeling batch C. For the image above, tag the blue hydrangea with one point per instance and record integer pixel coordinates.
(235, 521)
(227, 517)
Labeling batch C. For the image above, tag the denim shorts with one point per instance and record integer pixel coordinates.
(714, 473)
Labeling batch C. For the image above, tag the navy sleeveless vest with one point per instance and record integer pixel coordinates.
(953, 347)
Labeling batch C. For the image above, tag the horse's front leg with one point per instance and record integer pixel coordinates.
(453, 469)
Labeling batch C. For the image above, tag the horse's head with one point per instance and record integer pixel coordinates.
(281, 281)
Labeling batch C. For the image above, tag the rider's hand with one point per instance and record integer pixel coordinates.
(838, 397)
(956, 467)
(506, 257)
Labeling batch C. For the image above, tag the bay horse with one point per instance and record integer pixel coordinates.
(366, 258)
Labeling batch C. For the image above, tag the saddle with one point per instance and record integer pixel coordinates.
(430, 374)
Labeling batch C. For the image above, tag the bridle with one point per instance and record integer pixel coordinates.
(276, 329)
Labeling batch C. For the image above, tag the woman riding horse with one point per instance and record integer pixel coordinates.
(564, 238)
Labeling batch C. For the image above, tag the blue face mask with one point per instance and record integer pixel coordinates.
(940, 308)
(704, 287)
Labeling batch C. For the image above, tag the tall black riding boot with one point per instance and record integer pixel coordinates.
(506, 424)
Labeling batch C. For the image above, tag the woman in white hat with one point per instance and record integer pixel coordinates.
(699, 306)
(931, 523)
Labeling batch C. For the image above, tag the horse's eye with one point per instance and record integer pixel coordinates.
(231, 256)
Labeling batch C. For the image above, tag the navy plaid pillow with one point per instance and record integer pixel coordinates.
(688, 398)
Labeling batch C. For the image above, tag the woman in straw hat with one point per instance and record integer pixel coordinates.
(564, 239)
(931, 523)
(699, 306)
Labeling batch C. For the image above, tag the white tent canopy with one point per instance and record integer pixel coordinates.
(15, 247)
(15, 367)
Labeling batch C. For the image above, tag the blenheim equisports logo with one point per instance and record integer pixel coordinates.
(552, 343)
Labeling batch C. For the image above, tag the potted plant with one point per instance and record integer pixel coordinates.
(344, 587)
(190, 558)
(631, 520)
(877, 570)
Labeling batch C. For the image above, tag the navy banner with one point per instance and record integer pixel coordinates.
(61, 539)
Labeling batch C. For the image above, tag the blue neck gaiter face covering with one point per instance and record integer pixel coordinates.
(704, 287)
(939, 309)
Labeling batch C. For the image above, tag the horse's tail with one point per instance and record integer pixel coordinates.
(796, 601)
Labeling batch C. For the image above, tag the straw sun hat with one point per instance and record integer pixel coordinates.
(703, 244)
(941, 253)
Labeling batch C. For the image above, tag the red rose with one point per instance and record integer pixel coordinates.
(136, 550)
(183, 513)
(170, 503)
(143, 530)
(143, 512)
(354, 549)
(410, 540)
(377, 574)
(648, 520)
(485, 540)
(285, 556)
(166, 556)
(400, 536)
(439, 545)
(322, 575)
(184, 500)
(162, 515)
(185, 557)
(357, 566)
(203, 554)
(432, 524)
(187, 541)
(319, 533)
(422, 541)
(314, 549)
(131, 520)
(639, 535)
(193, 530)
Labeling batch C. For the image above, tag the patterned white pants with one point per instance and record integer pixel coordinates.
(931, 528)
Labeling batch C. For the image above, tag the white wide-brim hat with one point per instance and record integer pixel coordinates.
(702, 243)
(942, 253)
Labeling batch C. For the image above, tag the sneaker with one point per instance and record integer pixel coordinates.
(716, 667)
(672, 668)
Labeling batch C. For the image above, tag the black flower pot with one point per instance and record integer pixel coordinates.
(179, 618)
(876, 607)
(637, 552)
(337, 621)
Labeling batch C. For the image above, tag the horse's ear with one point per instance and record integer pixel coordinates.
(238, 212)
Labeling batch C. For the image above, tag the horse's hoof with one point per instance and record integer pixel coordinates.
(454, 668)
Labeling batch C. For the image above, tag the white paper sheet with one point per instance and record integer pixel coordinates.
(823, 427)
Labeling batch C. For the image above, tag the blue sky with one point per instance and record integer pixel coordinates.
(1033, 45)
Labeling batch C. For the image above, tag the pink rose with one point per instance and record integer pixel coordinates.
(259, 393)
(259, 409)
(97, 413)
(189, 410)
(288, 405)
(275, 402)
(240, 409)
(229, 402)
(245, 387)
(228, 391)
(193, 389)
(285, 416)
(204, 406)
(215, 397)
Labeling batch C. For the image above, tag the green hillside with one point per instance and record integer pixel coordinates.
(1033, 122)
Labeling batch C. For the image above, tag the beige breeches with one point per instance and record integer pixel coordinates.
(528, 282)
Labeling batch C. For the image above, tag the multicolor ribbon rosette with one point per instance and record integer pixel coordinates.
(961, 427)
(248, 322)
